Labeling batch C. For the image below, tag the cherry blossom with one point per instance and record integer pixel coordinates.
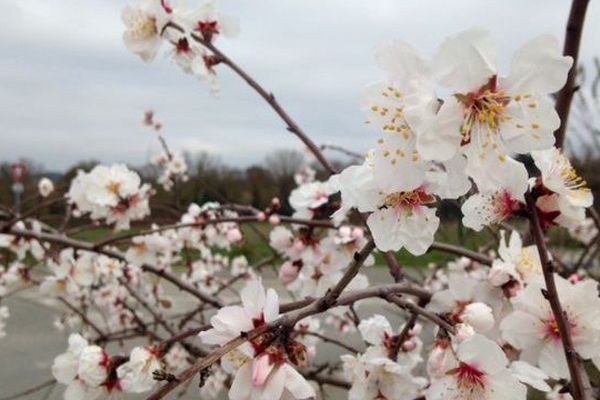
(45, 187)
(492, 116)
(532, 328)
(479, 371)
(135, 375)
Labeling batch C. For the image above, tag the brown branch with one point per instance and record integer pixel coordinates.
(551, 294)
(571, 48)
(460, 251)
(343, 150)
(279, 323)
(77, 244)
(393, 266)
(83, 317)
(201, 224)
(415, 309)
(329, 340)
(292, 126)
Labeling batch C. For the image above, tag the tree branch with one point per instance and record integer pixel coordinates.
(571, 48)
(551, 294)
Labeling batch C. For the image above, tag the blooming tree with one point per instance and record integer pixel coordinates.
(513, 318)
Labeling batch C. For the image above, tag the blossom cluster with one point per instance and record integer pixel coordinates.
(91, 373)
(452, 128)
(114, 194)
(186, 32)
(432, 148)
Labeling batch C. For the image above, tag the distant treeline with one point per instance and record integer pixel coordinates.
(212, 180)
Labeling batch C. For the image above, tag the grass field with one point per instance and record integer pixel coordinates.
(256, 247)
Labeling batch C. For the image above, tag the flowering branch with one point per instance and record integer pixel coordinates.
(551, 294)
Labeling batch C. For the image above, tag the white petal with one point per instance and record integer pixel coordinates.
(539, 66)
(466, 61)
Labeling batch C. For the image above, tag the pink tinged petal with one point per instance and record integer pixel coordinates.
(483, 354)
(241, 388)
(261, 368)
(479, 316)
(539, 67)
(273, 387)
(522, 330)
(296, 384)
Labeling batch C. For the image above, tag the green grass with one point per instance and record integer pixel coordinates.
(256, 247)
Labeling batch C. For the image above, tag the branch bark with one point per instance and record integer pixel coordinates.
(571, 48)
(551, 294)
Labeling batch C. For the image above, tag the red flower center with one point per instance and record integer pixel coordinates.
(468, 377)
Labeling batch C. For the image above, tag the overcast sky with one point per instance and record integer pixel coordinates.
(70, 91)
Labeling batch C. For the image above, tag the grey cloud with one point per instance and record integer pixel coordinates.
(69, 90)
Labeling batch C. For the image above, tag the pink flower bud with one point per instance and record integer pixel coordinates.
(261, 368)
(261, 216)
(234, 235)
(409, 345)
(288, 273)
(274, 219)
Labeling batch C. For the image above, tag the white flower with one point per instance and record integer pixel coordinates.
(65, 365)
(144, 24)
(492, 116)
(308, 197)
(569, 196)
(479, 372)
(261, 373)
(499, 197)
(70, 273)
(378, 332)
(532, 328)
(209, 22)
(373, 377)
(468, 301)
(263, 379)
(136, 374)
(398, 219)
(93, 365)
(258, 308)
(45, 187)
(441, 359)
(108, 185)
(114, 193)
(559, 176)
(516, 264)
